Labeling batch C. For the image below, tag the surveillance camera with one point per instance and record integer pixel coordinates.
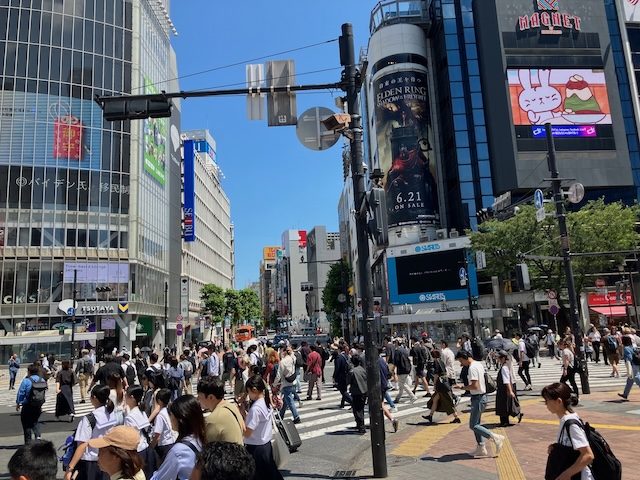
(516, 210)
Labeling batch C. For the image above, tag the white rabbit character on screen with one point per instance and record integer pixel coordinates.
(539, 102)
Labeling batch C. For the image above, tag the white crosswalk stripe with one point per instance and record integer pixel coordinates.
(322, 417)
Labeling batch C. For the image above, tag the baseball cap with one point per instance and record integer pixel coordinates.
(121, 436)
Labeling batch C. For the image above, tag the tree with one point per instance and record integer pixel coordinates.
(596, 227)
(234, 308)
(338, 279)
(214, 301)
(249, 304)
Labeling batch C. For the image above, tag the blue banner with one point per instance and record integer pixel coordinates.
(189, 204)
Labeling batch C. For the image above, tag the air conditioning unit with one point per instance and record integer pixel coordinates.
(441, 234)
(454, 233)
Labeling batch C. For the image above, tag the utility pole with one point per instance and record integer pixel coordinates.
(558, 199)
(166, 318)
(353, 80)
(72, 351)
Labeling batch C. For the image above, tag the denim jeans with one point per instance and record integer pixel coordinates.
(636, 379)
(288, 401)
(29, 417)
(389, 400)
(478, 405)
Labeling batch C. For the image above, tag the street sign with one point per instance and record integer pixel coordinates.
(342, 297)
(462, 273)
(554, 310)
(179, 329)
(552, 294)
(312, 133)
(540, 215)
(538, 199)
(179, 318)
(575, 194)
(481, 260)
(71, 311)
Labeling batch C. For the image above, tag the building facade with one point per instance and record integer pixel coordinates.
(323, 250)
(77, 194)
(209, 259)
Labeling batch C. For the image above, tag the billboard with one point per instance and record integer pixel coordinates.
(96, 272)
(49, 130)
(632, 11)
(269, 253)
(429, 273)
(189, 202)
(156, 131)
(573, 100)
(404, 140)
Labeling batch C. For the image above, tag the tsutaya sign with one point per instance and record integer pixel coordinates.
(549, 19)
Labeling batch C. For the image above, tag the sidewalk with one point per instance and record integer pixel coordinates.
(442, 449)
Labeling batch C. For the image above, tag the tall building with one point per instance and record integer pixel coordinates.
(290, 274)
(432, 69)
(267, 292)
(209, 258)
(323, 250)
(80, 197)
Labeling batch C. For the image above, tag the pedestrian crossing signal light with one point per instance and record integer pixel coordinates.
(61, 330)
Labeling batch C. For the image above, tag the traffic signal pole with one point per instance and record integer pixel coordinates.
(558, 200)
(352, 78)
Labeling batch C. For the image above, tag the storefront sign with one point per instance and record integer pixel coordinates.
(566, 131)
(97, 309)
(20, 298)
(549, 19)
(609, 298)
(189, 205)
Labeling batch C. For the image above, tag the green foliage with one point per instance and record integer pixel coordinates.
(338, 280)
(596, 227)
(214, 301)
(239, 305)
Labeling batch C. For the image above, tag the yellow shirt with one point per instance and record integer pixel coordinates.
(225, 424)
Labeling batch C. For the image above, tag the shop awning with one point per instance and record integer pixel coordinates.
(617, 311)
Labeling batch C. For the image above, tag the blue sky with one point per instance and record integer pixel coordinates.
(273, 182)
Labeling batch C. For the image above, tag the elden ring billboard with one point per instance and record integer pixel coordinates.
(405, 151)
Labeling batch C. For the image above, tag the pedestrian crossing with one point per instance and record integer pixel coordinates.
(324, 417)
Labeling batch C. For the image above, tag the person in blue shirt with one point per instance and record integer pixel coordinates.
(30, 413)
(14, 366)
(633, 371)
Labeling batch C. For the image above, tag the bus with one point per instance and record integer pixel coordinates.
(244, 333)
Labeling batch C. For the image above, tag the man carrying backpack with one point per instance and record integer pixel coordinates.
(129, 369)
(31, 397)
(523, 362)
(84, 371)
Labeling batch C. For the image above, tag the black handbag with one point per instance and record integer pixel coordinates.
(560, 458)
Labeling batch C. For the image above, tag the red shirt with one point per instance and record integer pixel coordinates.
(314, 363)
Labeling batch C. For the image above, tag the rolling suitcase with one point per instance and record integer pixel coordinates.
(289, 432)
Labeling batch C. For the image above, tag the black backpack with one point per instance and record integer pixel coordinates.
(478, 349)
(530, 349)
(605, 465)
(404, 363)
(37, 394)
(130, 373)
(299, 361)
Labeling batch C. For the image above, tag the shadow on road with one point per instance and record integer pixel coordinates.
(454, 457)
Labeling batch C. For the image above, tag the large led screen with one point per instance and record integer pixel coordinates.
(49, 131)
(574, 101)
(156, 132)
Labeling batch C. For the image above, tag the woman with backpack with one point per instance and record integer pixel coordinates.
(186, 419)
(612, 345)
(138, 419)
(65, 380)
(175, 378)
(93, 425)
(571, 455)
(116, 395)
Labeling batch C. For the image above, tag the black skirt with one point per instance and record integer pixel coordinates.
(266, 468)
(64, 401)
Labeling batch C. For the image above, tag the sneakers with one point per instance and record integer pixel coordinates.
(413, 400)
(394, 410)
(428, 418)
(456, 420)
(528, 387)
(395, 424)
(499, 441)
(297, 420)
(621, 395)
(480, 452)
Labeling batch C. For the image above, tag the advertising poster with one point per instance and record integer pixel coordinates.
(575, 100)
(404, 137)
(189, 202)
(632, 11)
(156, 131)
(94, 272)
(49, 131)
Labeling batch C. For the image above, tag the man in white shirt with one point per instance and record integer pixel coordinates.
(523, 362)
(448, 358)
(477, 388)
(212, 366)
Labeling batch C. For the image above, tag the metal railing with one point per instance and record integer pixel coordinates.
(399, 11)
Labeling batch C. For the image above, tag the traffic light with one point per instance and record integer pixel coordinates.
(134, 108)
(522, 276)
(474, 303)
(378, 226)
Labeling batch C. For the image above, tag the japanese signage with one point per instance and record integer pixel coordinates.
(609, 298)
(49, 130)
(404, 137)
(269, 253)
(549, 19)
(189, 203)
(96, 272)
(155, 141)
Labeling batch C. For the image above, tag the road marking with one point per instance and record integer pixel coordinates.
(630, 428)
(507, 462)
(420, 442)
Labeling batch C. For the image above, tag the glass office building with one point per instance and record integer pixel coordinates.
(76, 192)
